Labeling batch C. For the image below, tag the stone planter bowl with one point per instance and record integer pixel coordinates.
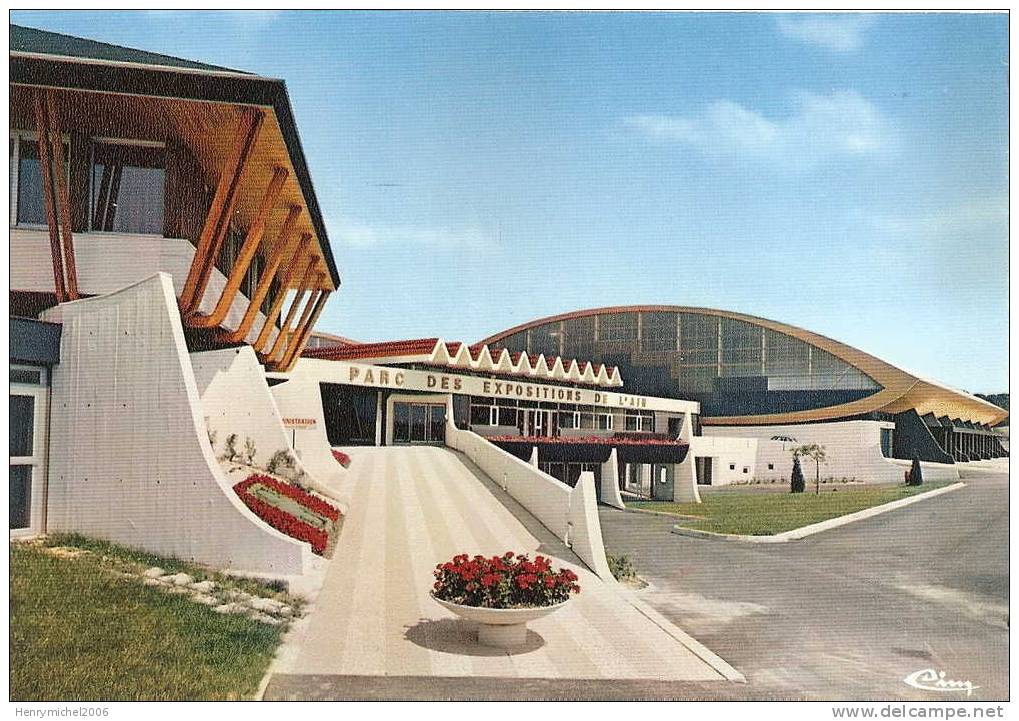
(501, 627)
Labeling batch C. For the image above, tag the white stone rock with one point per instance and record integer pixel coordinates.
(152, 582)
(262, 618)
(286, 611)
(267, 605)
(227, 608)
(205, 600)
(204, 586)
(181, 579)
(154, 572)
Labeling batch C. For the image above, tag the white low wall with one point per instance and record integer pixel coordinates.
(569, 513)
(107, 262)
(236, 399)
(853, 451)
(130, 460)
(301, 397)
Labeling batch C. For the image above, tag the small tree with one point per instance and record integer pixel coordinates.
(915, 473)
(815, 453)
(797, 482)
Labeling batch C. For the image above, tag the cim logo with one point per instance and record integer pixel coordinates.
(930, 680)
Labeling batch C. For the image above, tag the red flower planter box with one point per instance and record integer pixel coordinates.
(283, 521)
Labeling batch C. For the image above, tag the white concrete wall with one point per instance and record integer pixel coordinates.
(853, 449)
(107, 262)
(730, 456)
(562, 510)
(301, 397)
(236, 399)
(130, 459)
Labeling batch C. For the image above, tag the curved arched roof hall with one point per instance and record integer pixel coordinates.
(743, 369)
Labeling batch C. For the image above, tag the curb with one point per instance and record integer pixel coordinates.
(698, 649)
(657, 513)
(798, 533)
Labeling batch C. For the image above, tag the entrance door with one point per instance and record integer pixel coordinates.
(419, 423)
(702, 466)
(27, 450)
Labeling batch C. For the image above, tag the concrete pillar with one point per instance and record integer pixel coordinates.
(534, 456)
(684, 481)
(610, 481)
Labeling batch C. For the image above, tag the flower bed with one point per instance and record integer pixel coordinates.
(507, 581)
(342, 458)
(592, 440)
(283, 521)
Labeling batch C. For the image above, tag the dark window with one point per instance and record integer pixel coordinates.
(23, 375)
(771, 466)
(128, 183)
(507, 416)
(22, 428)
(732, 466)
(21, 497)
(31, 207)
(480, 415)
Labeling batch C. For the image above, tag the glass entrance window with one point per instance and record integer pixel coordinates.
(437, 424)
(419, 423)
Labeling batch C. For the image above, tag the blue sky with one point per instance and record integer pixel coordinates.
(844, 173)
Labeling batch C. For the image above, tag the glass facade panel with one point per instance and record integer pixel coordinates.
(617, 327)
(731, 366)
(578, 334)
(545, 339)
(658, 331)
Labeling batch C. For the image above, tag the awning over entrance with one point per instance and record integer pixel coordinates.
(595, 449)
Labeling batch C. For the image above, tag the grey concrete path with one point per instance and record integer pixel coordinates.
(846, 614)
(411, 508)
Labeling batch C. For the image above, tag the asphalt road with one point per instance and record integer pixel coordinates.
(846, 614)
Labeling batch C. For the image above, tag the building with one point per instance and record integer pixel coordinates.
(775, 383)
(168, 265)
(166, 248)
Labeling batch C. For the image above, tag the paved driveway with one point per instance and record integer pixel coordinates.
(848, 613)
(411, 508)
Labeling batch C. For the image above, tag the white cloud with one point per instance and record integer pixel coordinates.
(838, 32)
(364, 235)
(965, 219)
(820, 127)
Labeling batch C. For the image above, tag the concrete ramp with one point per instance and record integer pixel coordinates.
(414, 507)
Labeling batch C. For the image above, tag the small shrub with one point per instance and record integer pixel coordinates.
(282, 463)
(278, 460)
(230, 449)
(797, 484)
(622, 567)
(915, 477)
(249, 450)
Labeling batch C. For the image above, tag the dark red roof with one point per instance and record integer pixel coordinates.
(386, 349)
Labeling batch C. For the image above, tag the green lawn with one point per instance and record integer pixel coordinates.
(756, 512)
(81, 632)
